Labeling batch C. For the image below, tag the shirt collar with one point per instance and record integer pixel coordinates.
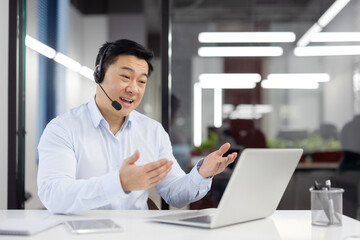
(97, 117)
(127, 122)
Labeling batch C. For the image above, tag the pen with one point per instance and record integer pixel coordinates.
(322, 199)
(317, 186)
(330, 201)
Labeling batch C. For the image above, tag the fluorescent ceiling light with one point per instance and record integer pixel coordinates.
(279, 84)
(333, 10)
(197, 114)
(39, 47)
(323, 21)
(258, 108)
(217, 107)
(315, 77)
(67, 62)
(246, 37)
(252, 77)
(229, 80)
(356, 82)
(239, 115)
(87, 72)
(58, 57)
(335, 37)
(327, 51)
(250, 111)
(227, 108)
(227, 84)
(240, 51)
(305, 39)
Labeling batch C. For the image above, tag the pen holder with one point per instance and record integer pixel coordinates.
(326, 206)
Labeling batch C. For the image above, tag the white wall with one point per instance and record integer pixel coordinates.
(4, 26)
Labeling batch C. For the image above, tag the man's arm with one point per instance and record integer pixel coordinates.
(179, 189)
(215, 163)
(58, 188)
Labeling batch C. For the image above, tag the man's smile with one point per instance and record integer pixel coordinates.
(126, 100)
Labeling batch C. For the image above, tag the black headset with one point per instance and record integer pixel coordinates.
(99, 72)
(99, 77)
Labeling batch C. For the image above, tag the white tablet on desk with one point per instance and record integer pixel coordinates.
(93, 226)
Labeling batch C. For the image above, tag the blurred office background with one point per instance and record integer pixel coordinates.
(298, 85)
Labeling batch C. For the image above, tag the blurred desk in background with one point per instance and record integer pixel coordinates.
(317, 165)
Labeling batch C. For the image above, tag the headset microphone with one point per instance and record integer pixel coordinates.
(99, 76)
(114, 103)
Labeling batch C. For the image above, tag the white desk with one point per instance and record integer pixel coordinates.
(282, 225)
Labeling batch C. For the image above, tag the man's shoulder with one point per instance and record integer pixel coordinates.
(139, 118)
(72, 117)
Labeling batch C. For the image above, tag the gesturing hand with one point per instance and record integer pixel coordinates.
(215, 163)
(133, 177)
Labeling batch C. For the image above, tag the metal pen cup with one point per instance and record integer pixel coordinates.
(326, 206)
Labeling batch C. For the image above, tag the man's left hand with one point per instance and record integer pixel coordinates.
(215, 163)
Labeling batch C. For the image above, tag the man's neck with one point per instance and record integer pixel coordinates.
(115, 122)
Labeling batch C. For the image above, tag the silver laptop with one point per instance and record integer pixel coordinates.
(254, 191)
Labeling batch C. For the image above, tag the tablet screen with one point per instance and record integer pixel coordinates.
(93, 226)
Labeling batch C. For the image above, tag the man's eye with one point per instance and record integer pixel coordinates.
(142, 82)
(125, 76)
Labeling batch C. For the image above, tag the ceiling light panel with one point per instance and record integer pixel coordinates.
(327, 51)
(39, 47)
(315, 77)
(333, 10)
(240, 51)
(246, 37)
(67, 62)
(229, 80)
(277, 84)
(335, 37)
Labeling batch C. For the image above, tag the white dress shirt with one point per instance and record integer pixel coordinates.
(80, 159)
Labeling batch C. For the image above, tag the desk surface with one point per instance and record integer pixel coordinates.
(282, 225)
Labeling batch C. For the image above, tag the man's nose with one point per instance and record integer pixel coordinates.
(133, 87)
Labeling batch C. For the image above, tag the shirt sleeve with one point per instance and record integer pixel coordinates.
(58, 188)
(179, 189)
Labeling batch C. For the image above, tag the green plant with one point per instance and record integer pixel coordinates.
(313, 143)
(209, 144)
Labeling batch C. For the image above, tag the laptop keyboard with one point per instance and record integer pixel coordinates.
(200, 219)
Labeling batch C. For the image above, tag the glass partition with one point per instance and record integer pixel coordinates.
(267, 74)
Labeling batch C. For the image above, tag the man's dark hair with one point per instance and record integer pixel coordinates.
(123, 47)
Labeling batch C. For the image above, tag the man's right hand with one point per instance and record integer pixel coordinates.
(133, 177)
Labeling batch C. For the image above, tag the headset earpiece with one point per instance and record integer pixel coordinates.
(98, 73)
(97, 76)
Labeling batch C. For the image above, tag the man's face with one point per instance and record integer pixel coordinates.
(125, 81)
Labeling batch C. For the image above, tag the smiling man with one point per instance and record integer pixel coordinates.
(106, 155)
